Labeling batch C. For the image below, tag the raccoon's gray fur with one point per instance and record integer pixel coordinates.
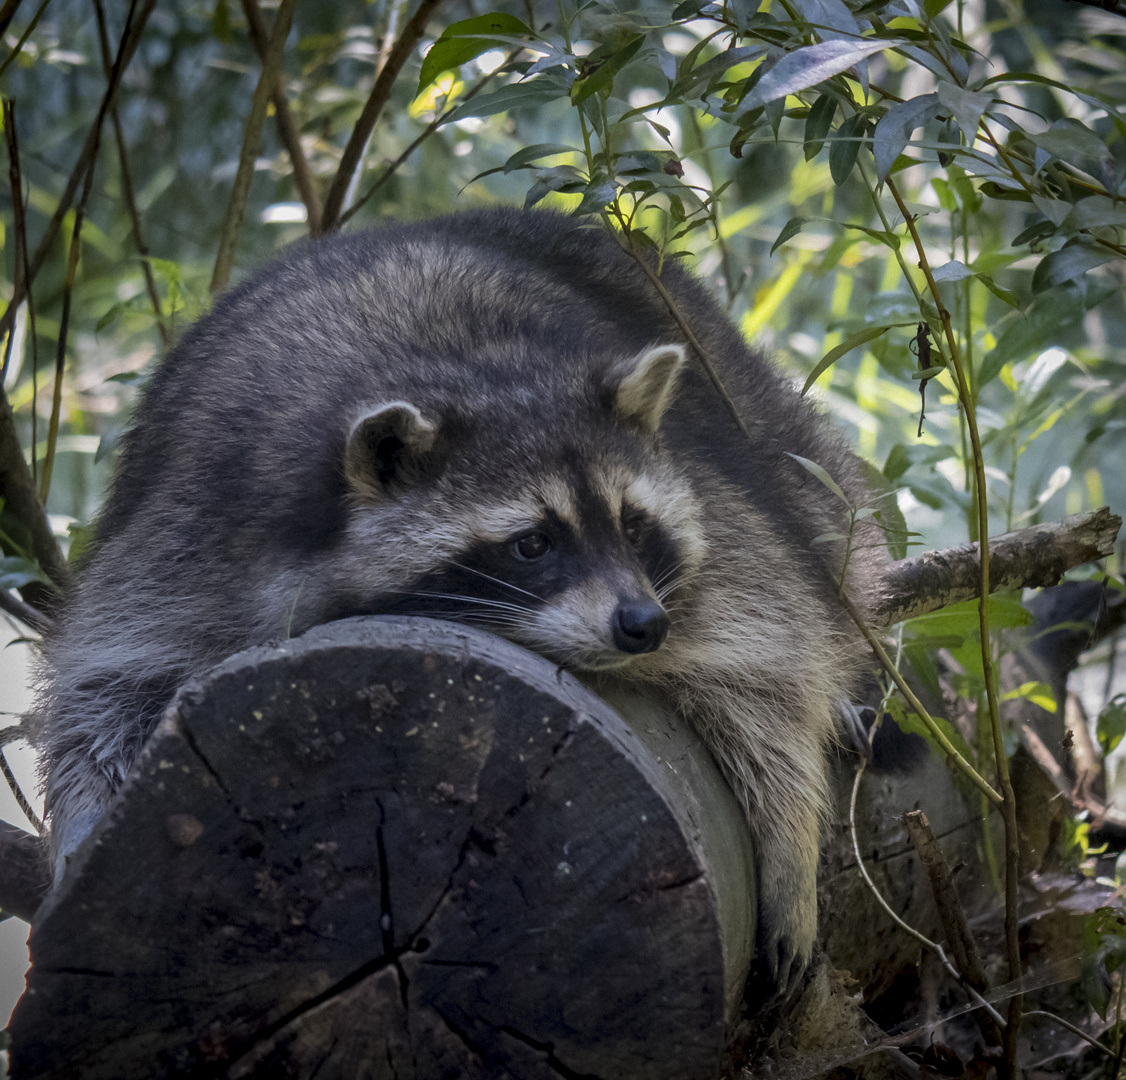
(490, 417)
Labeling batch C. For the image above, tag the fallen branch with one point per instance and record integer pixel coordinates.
(1036, 557)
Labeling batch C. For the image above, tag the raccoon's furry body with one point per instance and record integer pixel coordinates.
(486, 417)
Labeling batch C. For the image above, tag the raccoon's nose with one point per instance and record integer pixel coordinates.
(640, 626)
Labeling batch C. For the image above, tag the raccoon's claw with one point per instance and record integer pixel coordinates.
(787, 960)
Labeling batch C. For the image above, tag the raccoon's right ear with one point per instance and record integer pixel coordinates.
(646, 383)
(390, 448)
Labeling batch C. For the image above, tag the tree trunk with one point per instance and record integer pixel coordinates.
(401, 848)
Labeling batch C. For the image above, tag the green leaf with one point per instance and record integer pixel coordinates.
(952, 271)
(821, 474)
(910, 724)
(1068, 263)
(530, 94)
(1111, 725)
(808, 66)
(966, 106)
(522, 159)
(81, 536)
(1093, 213)
(16, 572)
(961, 620)
(845, 147)
(463, 41)
(896, 128)
(851, 342)
(600, 76)
(790, 229)
(1011, 298)
(818, 123)
(1038, 693)
(901, 457)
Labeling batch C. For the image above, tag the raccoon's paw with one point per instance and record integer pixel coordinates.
(786, 945)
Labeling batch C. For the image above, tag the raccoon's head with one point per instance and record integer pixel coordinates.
(578, 543)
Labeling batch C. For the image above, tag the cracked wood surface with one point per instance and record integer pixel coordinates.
(398, 848)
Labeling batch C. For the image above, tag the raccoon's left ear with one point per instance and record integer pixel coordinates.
(646, 385)
(389, 449)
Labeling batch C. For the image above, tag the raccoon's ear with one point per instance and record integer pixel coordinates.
(647, 383)
(392, 447)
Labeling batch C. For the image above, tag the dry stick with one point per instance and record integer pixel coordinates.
(1008, 806)
(429, 130)
(958, 936)
(288, 130)
(251, 140)
(7, 13)
(1035, 557)
(28, 615)
(380, 94)
(127, 191)
(89, 149)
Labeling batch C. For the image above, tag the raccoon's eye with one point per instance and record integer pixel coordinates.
(531, 546)
(633, 526)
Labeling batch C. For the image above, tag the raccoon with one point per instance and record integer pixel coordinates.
(491, 417)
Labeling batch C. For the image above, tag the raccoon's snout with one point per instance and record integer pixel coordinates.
(639, 626)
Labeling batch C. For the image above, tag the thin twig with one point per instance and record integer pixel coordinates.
(127, 192)
(18, 47)
(380, 94)
(18, 219)
(28, 615)
(1072, 1028)
(1008, 805)
(72, 271)
(251, 140)
(288, 131)
(433, 126)
(7, 13)
(686, 330)
(89, 150)
(948, 747)
(21, 798)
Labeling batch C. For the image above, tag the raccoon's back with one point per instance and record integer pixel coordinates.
(238, 439)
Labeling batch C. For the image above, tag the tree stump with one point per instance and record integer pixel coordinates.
(399, 848)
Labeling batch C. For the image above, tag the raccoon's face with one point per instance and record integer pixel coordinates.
(586, 557)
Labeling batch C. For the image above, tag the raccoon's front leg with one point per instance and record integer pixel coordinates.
(786, 851)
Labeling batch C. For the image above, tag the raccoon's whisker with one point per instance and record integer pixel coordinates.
(498, 605)
(497, 581)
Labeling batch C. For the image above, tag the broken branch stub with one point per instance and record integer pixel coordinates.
(399, 847)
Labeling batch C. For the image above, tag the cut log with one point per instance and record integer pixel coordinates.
(399, 848)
